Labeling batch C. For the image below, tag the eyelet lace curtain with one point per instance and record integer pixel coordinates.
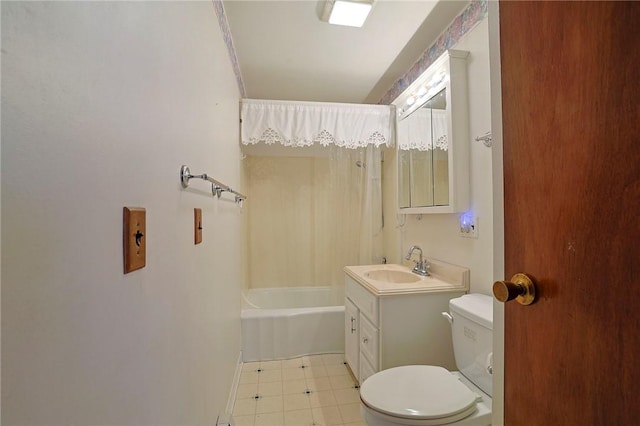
(304, 124)
(424, 130)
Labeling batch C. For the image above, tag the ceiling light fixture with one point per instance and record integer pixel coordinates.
(352, 13)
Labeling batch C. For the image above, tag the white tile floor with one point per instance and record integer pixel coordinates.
(315, 390)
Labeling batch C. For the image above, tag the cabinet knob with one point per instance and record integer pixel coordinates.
(365, 340)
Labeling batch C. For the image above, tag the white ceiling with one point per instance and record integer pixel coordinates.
(286, 52)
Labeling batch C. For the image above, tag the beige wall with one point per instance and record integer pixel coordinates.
(438, 234)
(101, 104)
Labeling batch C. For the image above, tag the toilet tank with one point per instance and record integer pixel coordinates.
(472, 331)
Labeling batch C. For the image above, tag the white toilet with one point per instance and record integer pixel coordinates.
(431, 395)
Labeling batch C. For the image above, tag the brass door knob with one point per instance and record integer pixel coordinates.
(521, 288)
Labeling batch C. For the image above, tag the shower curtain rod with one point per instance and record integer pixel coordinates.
(217, 187)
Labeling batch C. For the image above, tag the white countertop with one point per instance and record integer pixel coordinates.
(444, 277)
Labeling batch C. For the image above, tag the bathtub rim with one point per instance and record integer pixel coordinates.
(248, 304)
(247, 313)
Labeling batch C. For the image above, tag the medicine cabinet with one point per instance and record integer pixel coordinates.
(433, 139)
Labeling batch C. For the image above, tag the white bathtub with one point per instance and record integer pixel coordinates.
(282, 323)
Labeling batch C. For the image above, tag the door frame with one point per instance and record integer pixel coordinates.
(493, 16)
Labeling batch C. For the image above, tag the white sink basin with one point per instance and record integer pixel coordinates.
(392, 276)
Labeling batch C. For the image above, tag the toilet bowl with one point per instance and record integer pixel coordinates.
(431, 395)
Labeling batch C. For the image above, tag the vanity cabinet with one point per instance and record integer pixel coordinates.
(389, 330)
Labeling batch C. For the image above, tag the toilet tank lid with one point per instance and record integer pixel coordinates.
(476, 307)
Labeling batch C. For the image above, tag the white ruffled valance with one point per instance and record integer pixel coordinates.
(304, 124)
(425, 129)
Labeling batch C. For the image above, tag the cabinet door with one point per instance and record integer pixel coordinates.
(351, 336)
(366, 369)
(369, 342)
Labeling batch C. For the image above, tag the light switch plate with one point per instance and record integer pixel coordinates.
(134, 238)
(197, 226)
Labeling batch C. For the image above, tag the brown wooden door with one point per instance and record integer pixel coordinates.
(571, 125)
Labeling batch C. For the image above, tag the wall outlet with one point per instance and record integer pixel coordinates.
(468, 225)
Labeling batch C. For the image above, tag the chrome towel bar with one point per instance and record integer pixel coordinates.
(217, 187)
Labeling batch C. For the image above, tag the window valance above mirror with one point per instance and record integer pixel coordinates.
(305, 124)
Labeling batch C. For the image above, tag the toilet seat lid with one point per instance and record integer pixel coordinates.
(418, 392)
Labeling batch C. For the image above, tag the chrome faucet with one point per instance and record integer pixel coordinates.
(422, 266)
